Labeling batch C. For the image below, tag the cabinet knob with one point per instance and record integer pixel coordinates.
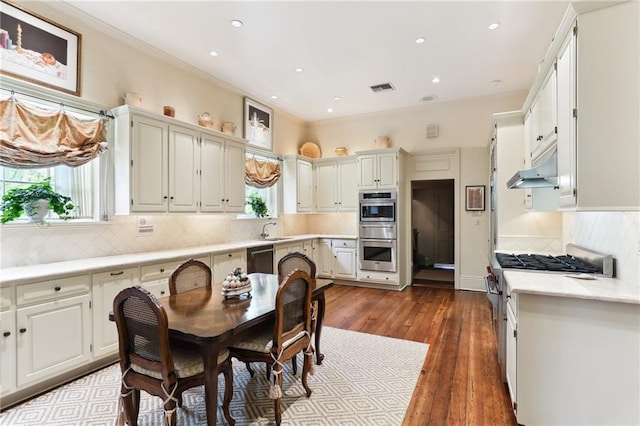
(161, 270)
(165, 197)
(162, 292)
(6, 334)
(57, 288)
(23, 330)
(171, 197)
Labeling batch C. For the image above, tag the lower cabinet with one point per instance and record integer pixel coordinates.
(338, 258)
(54, 335)
(7, 346)
(105, 287)
(512, 356)
(225, 263)
(155, 277)
(390, 278)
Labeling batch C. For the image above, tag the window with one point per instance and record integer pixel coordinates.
(263, 171)
(75, 182)
(269, 195)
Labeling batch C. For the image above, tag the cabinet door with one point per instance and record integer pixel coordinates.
(512, 355)
(567, 124)
(234, 177)
(7, 351)
(326, 194)
(223, 264)
(387, 171)
(212, 198)
(149, 165)
(367, 169)
(305, 186)
(324, 267)
(184, 170)
(348, 186)
(344, 262)
(105, 287)
(545, 116)
(52, 338)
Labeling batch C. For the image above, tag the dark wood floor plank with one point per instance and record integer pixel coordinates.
(460, 381)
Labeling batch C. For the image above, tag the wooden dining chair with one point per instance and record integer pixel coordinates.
(149, 362)
(290, 334)
(191, 274)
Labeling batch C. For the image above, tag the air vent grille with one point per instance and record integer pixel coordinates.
(384, 87)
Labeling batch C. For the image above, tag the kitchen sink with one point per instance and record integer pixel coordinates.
(277, 238)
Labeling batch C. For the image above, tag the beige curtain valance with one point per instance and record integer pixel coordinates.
(261, 173)
(32, 137)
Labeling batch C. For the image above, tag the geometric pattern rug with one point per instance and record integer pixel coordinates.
(363, 380)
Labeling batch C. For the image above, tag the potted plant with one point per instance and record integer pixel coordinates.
(36, 200)
(258, 205)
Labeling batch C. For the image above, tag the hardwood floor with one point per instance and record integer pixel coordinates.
(460, 382)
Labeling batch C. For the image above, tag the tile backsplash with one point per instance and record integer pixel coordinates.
(615, 233)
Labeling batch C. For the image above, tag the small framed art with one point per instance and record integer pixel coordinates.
(258, 124)
(474, 198)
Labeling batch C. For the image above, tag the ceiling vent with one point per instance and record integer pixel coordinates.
(384, 87)
(432, 131)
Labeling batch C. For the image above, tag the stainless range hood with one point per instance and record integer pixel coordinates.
(544, 175)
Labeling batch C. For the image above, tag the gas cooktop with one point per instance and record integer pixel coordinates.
(540, 262)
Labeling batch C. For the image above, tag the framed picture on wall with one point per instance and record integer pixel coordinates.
(474, 198)
(38, 50)
(258, 124)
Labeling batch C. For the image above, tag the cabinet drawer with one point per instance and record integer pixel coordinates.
(344, 243)
(157, 271)
(52, 289)
(5, 298)
(379, 277)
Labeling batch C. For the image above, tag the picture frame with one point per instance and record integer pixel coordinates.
(475, 198)
(258, 124)
(38, 50)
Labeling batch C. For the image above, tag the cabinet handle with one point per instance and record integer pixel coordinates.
(57, 288)
(222, 200)
(6, 334)
(23, 330)
(161, 270)
(161, 291)
(113, 274)
(171, 197)
(165, 197)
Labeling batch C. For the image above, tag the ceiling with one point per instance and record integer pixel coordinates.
(344, 47)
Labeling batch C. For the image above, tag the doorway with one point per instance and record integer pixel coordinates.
(433, 244)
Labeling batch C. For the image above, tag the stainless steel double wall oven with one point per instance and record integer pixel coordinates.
(378, 231)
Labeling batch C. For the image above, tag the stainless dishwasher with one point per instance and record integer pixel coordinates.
(260, 259)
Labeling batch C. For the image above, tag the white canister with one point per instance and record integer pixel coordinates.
(132, 99)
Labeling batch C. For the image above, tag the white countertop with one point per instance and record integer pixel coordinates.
(95, 264)
(565, 285)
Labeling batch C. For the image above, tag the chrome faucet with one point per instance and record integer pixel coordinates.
(265, 234)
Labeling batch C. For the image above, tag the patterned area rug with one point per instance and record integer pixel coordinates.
(364, 380)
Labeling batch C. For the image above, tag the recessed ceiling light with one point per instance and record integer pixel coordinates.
(493, 25)
(436, 80)
(236, 23)
(420, 40)
(330, 110)
(429, 98)
(496, 82)
(336, 98)
(299, 69)
(274, 97)
(213, 53)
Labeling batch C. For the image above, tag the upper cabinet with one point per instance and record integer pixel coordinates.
(298, 184)
(162, 165)
(336, 185)
(378, 170)
(543, 118)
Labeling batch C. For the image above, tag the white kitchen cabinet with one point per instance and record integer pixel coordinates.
(223, 169)
(338, 258)
(298, 184)
(162, 165)
(607, 176)
(223, 264)
(561, 368)
(105, 286)
(512, 355)
(155, 276)
(377, 277)
(377, 171)
(7, 342)
(282, 249)
(544, 117)
(53, 319)
(336, 185)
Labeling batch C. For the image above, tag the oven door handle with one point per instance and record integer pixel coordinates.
(492, 288)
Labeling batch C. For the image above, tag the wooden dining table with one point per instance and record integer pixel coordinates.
(205, 318)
